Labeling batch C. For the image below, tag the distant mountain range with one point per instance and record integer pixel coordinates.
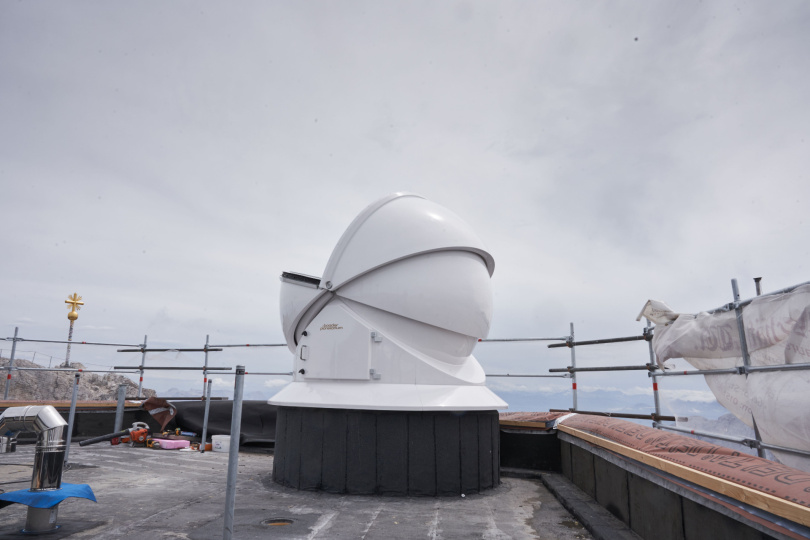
(608, 401)
(520, 401)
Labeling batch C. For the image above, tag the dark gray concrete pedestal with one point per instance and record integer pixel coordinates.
(423, 453)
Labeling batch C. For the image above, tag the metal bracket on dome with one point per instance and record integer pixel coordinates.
(374, 375)
(376, 337)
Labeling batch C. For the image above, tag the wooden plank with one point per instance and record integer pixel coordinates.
(764, 501)
(527, 425)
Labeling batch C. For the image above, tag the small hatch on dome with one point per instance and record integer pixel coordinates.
(301, 279)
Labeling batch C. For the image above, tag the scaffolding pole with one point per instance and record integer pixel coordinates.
(526, 375)
(570, 341)
(656, 398)
(573, 369)
(573, 343)
(11, 362)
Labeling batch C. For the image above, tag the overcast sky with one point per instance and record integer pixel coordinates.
(167, 161)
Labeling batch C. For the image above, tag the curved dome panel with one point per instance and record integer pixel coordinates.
(447, 289)
(393, 228)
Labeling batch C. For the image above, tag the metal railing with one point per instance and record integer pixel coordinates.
(651, 367)
(572, 370)
(654, 373)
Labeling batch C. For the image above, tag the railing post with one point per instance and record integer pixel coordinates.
(233, 456)
(652, 373)
(573, 365)
(72, 415)
(119, 409)
(205, 417)
(740, 325)
(143, 361)
(205, 367)
(738, 310)
(11, 362)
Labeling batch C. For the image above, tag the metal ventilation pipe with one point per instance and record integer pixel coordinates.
(51, 430)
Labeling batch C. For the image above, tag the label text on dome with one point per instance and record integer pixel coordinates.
(331, 327)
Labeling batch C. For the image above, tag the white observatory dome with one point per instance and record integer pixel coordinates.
(393, 321)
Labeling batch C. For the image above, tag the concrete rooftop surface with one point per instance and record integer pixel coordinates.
(151, 494)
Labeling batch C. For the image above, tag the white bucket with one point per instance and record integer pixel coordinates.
(221, 443)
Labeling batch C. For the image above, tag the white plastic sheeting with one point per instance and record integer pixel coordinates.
(777, 330)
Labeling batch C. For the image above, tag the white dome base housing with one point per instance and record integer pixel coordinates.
(383, 346)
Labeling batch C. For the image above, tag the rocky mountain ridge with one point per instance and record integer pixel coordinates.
(58, 385)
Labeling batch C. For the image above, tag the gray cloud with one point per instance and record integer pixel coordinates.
(167, 162)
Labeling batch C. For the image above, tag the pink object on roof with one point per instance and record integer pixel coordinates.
(168, 444)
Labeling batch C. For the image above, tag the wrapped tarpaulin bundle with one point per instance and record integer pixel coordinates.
(161, 410)
(777, 330)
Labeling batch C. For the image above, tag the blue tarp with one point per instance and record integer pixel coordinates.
(47, 499)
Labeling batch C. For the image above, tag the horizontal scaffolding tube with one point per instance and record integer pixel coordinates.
(526, 375)
(15, 368)
(729, 307)
(569, 369)
(179, 368)
(141, 350)
(600, 341)
(524, 339)
(71, 342)
(176, 398)
(289, 373)
(725, 371)
(777, 367)
(751, 443)
(651, 416)
(251, 345)
(187, 398)
(735, 370)
(739, 440)
(784, 449)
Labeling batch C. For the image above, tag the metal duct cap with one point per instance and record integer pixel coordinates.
(8, 445)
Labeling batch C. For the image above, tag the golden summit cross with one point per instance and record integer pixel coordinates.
(75, 301)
